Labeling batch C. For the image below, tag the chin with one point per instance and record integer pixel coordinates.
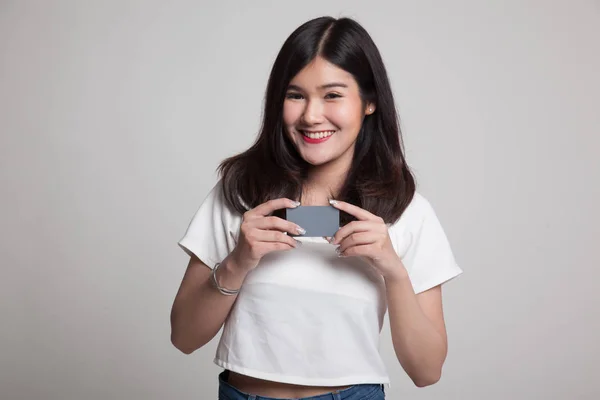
(318, 161)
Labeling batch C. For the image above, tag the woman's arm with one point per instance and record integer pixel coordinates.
(199, 309)
(418, 329)
(416, 321)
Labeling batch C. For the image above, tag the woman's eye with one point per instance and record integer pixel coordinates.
(294, 96)
(298, 96)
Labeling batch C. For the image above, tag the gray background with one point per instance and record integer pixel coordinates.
(114, 115)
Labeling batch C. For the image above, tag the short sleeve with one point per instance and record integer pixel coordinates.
(423, 246)
(213, 231)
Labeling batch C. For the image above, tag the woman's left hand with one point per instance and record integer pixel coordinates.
(369, 238)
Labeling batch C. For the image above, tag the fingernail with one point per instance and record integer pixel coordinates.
(298, 243)
(296, 203)
(332, 201)
(330, 240)
(300, 230)
(339, 253)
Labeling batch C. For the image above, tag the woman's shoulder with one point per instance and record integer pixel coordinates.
(218, 195)
(418, 209)
(419, 201)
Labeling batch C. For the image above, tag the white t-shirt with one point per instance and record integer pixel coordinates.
(306, 316)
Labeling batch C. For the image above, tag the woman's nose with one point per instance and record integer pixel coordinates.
(313, 113)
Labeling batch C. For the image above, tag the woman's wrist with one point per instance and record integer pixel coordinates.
(397, 274)
(230, 275)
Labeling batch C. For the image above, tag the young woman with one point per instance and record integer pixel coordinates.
(301, 317)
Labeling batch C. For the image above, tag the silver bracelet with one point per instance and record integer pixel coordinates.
(225, 291)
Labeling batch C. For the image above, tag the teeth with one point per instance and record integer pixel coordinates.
(318, 135)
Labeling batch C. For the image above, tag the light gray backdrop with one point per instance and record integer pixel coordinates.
(114, 115)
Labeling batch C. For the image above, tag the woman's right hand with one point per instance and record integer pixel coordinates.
(262, 233)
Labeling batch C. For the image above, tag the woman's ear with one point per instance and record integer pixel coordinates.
(370, 109)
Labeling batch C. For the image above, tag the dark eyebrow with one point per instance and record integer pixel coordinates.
(326, 86)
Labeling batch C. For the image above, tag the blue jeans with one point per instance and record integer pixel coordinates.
(374, 391)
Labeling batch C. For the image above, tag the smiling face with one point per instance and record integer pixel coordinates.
(323, 114)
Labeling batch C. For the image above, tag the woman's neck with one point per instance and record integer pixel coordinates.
(323, 183)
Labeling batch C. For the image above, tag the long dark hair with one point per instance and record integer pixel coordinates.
(378, 180)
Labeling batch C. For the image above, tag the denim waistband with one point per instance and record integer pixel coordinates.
(370, 391)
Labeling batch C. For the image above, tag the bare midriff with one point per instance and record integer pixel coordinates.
(261, 387)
